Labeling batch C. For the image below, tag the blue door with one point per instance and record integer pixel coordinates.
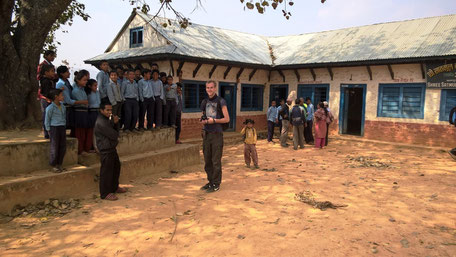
(228, 92)
(352, 109)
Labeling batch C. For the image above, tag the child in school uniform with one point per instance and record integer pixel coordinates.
(81, 115)
(55, 124)
(250, 140)
(93, 95)
(114, 94)
(64, 84)
(46, 85)
(130, 93)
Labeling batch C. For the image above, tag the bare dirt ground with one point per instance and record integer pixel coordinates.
(400, 202)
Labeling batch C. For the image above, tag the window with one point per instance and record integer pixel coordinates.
(136, 37)
(447, 102)
(401, 101)
(317, 93)
(194, 93)
(252, 97)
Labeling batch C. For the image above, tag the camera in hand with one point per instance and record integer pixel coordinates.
(203, 117)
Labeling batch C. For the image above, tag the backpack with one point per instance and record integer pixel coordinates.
(297, 113)
(450, 118)
(225, 126)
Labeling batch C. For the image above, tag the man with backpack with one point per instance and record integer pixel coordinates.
(297, 119)
(215, 119)
(452, 120)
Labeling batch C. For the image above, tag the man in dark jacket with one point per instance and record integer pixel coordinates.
(297, 119)
(106, 136)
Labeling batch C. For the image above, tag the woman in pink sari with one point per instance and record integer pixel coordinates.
(321, 117)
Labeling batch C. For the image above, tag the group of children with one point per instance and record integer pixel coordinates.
(301, 116)
(133, 94)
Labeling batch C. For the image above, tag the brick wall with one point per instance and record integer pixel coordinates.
(261, 122)
(191, 127)
(411, 133)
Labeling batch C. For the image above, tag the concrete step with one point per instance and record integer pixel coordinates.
(78, 181)
(24, 157)
(145, 141)
(19, 156)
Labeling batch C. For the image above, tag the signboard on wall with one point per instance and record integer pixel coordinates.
(441, 75)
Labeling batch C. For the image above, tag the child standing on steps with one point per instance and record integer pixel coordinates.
(94, 108)
(55, 124)
(250, 140)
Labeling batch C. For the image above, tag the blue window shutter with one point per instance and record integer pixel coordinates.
(447, 102)
(401, 101)
(316, 92)
(136, 37)
(252, 97)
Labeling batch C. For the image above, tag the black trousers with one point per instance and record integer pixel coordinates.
(308, 136)
(158, 103)
(178, 124)
(109, 173)
(44, 104)
(58, 145)
(131, 108)
(170, 112)
(148, 106)
(212, 151)
(271, 126)
(140, 117)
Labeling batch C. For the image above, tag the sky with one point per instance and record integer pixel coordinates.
(85, 40)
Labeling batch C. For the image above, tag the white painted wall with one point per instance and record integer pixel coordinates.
(150, 37)
(404, 73)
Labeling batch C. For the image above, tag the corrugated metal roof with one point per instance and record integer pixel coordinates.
(427, 37)
(133, 52)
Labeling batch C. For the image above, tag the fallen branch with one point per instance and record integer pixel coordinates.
(308, 198)
(175, 222)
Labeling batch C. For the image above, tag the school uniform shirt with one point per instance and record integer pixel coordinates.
(55, 116)
(145, 89)
(250, 135)
(272, 113)
(94, 99)
(171, 94)
(103, 82)
(114, 93)
(130, 90)
(310, 112)
(67, 89)
(157, 87)
(79, 94)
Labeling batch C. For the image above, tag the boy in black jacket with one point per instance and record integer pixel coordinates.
(107, 137)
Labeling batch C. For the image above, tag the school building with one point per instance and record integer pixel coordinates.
(393, 81)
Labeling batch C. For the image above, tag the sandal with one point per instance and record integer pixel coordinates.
(121, 190)
(111, 197)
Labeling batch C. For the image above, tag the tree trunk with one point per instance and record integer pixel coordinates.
(19, 56)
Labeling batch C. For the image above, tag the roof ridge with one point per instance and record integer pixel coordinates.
(367, 25)
(317, 32)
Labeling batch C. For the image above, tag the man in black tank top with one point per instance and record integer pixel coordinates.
(215, 113)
